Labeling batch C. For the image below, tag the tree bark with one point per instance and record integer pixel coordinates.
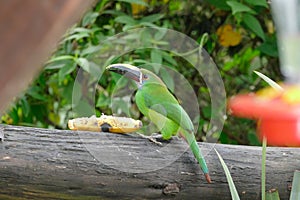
(62, 164)
(29, 33)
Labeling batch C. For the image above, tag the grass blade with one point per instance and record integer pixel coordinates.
(272, 83)
(295, 193)
(263, 169)
(272, 195)
(233, 191)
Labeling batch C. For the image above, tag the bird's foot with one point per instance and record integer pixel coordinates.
(152, 138)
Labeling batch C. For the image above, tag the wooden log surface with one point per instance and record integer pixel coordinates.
(62, 164)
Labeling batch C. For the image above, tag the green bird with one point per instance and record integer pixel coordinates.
(156, 102)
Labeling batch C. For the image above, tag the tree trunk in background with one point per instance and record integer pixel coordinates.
(29, 32)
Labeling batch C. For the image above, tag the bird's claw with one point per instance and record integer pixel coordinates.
(152, 138)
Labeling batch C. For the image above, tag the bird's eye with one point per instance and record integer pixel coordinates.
(145, 77)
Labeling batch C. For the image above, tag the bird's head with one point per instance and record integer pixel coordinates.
(140, 76)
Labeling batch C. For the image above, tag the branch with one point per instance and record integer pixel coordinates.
(41, 163)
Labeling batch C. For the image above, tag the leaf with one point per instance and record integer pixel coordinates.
(272, 195)
(140, 62)
(295, 193)
(67, 69)
(125, 19)
(77, 93)
(263, 168)
(54, 65)
(35, 92)
(84, 108)
(95, 69)
(102, 100)
(167, 79)
(272, 83)
(168, 57)
(89, 18)
(152, 18)
(219, 4)
(77, 36)
(139, 2)
(206, 110)
(156, 56)
(253, 24)
(269, 47)
(161, 32)
(145, 37)
(233, 191)
(66, 91)
(239, 7)
(91, 50)
(80, 30)
(25, 106)
(84, 64)
(58, 58)
(262, 3)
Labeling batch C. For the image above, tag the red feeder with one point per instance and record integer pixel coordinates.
(277, 112)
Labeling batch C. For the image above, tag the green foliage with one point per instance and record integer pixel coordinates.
(263, 168)
(295, 193)
(265, 195)
(48, 101)
(233, 191)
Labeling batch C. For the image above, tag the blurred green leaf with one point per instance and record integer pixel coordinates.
(262, 3)
(125, 19)
(160, 34)
(84, 108)
(221, 4)
(253, 139)
(80, 30)
(233, 191)
(36, 93)
(295, 193)
(263, 168)
(269, 47)
(272, 83)
(103, 100)
(84, 63)
(25, 106)
(67, 69)
(59, 58)
(138, 2)
(169, 58)
(237, 7)
(272, 195)
(206, 111)
(156, 56)
(152, 18)
(253, 24)
(167, 79)
(89, 18)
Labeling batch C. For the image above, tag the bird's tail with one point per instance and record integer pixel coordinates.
(191, 140)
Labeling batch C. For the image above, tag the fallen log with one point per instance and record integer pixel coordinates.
(62, 164)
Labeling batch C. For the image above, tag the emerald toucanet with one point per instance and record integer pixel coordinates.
(156, 102)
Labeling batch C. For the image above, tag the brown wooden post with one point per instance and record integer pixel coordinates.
(29, 31)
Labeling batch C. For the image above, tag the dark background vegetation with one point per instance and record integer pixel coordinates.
(239, 36)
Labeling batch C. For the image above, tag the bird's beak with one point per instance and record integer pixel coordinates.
(127, 70)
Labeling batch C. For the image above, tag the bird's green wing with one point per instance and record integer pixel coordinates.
(157, 99)
(166, 126)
